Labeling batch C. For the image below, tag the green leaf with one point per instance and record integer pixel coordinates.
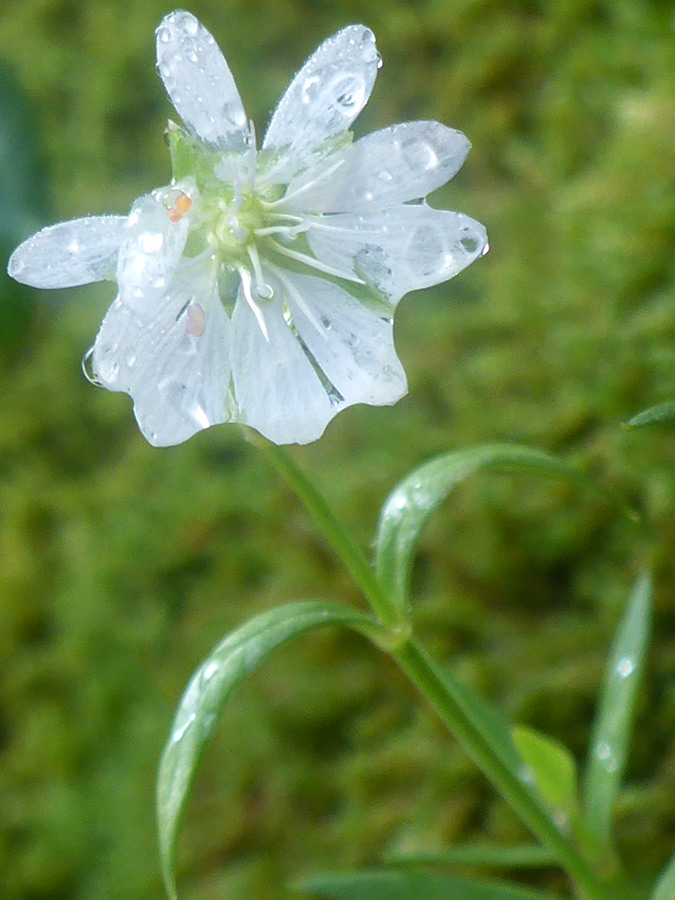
(655, 415)
(384, 884)
(525, 856)
(211, 687)
(553, 769)
(410, 505)
(614, 718)
(665, 886)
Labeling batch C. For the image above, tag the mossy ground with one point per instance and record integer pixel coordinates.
(121, 565)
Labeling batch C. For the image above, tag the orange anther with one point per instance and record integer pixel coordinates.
(180, 207)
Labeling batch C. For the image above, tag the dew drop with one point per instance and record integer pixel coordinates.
(469, 243)
(131, 358)
(180, 731)
(164, 35)
(309, 88)
(384, 175)
(485, 249)
(193, 56)
(326, 322)
(195, 321)
(210, 670)
(151, 241)
(192, 26)
(88, 368)
(625, 667)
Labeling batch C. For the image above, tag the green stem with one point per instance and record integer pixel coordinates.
(443, 695)
(339, 538)
(430, 679)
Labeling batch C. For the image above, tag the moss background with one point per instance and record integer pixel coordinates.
(121, 565)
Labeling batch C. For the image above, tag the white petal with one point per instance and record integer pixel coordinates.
(278, 392)
(70, 253)
(177, 374)
(150, 253)
(323, 99)
(199, 82)
(353, 345)
(399, 249)
(400, 163)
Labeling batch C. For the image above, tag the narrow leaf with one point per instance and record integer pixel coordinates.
(385, 884)
(614, 718)
(665, 886)
(410, 505)
(211, 687)
(552, 767)
(525, 856)
(655, 415)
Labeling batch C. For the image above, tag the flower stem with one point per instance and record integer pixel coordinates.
(446, 696)
(338, 537)
(446, 699)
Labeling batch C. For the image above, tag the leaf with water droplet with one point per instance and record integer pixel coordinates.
(392, 884)
(613, 725)
(410, 505)
(553, 770)
(211, 687)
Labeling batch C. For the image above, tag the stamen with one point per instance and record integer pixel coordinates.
(291, 231)
(299, 300)
(314, 263)
(246, 283)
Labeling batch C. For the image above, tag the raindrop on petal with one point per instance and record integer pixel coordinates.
(88, 368)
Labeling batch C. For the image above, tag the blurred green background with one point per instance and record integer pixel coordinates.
(121, 565)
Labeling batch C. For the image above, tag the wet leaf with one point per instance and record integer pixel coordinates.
(615, 714)
(410, 505)
(211, 686)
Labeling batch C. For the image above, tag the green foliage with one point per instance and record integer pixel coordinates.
(117, 557)
(392, 885)
(231, 662)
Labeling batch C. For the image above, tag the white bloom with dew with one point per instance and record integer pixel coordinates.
(260, 285)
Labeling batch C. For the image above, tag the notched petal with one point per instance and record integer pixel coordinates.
(323, 99)
(175, 367)
(199, 81)
(395, 165)
(69, 254)
(400, 249)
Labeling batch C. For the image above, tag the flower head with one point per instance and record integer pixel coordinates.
(260, 285)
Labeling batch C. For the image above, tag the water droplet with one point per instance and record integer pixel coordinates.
(309, 89)
(210, 670)
(193, 56)
(604, 753)
(264, 291)
(384, 175)
(485, 249)
(326, 322)
(352, 340)
(625, 666)
(164, 35)
(400, 501)
(131, 358)
(151, 241)
(88, 368)
(419, 154)
(179, 731)
(234, 113)
(195, 321)
(192, 25)
(379, 61)
(74, 246)
(469, 243)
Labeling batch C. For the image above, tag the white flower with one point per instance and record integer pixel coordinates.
(259, 286)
